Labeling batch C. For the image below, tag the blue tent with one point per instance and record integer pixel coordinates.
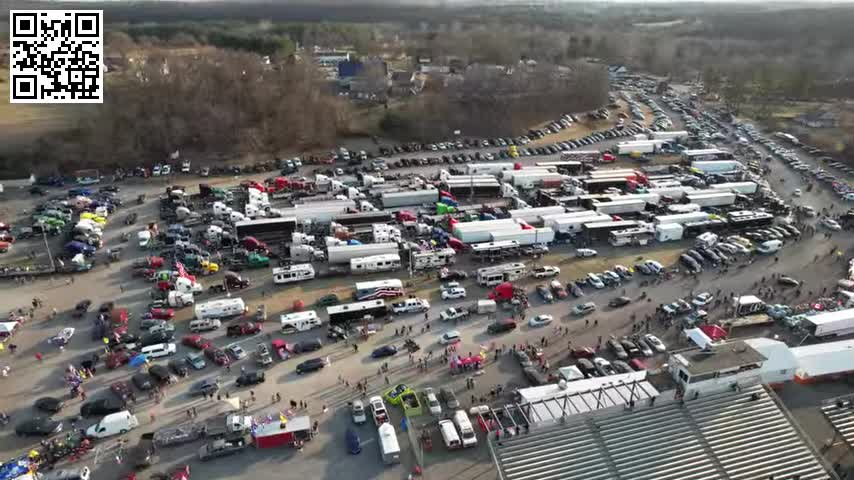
(138, 360)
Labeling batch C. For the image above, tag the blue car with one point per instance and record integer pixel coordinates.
(74, 247)
(385, 351)
(354, 443)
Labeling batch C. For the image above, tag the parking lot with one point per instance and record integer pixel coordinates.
(36, 367)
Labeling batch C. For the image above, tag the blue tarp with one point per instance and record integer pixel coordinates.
(14, 468)
(137, 360)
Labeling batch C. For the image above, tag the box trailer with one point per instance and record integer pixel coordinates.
(534, 215)
(682, 218)
(222, 308)
(667, 232)
(479, 231)
(531, 236)
(488, 168)
(267, 228)
(587, 156)
(627, 148)
(717, 166)
(598, 185)
(719, 199)
(531, 180)
(676, 192)
(746, 188)
(409, 198)
(831, 324)
(620, 206)
(345, 253)
(507, 176)
(363, 218)
(674, 135)
(573, 225)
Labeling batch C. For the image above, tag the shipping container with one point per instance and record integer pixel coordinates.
(746, 188)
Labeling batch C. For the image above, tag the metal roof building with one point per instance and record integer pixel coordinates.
(729, 436)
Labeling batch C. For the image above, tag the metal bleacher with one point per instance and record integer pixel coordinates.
(729, 436)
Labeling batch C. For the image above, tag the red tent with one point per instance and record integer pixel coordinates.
(715, 332)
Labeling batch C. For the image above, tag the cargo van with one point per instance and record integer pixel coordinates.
(771, 246)
(449, 434)
(222, 308)
(300, 321)
(204, 325)
(389, 447)
(461, 420)
(113, 424)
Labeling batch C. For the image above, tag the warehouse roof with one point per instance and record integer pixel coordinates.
(718, 357)
(840, 413)
(731, 435)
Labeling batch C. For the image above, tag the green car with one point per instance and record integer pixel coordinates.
(256, 260)
(395, 394)
(327, 300)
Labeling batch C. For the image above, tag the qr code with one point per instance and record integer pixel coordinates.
(57, 56)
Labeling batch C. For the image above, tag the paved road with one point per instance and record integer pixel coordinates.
(325, 457)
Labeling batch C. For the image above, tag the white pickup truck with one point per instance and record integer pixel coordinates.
(378, 410)
(410, 305)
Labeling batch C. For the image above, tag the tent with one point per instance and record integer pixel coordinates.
(7, 329)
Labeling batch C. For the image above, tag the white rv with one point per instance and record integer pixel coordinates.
(222, 308)
(300, 321)
(294, 273)
(375, 263)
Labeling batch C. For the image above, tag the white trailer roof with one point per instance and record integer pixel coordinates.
(830, 317)
(824, 358)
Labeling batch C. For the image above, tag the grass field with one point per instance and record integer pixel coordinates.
(22, 124)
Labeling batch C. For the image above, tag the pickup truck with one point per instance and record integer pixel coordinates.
(179, 435)
(453, 313)
(221, 448)
(378, 410)
(231, 425)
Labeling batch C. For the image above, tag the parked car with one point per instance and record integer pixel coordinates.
(311, 365)
(540, 320)
(384, 351)
(502, 326)
(250, 378)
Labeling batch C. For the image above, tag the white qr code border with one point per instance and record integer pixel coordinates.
(44, 63)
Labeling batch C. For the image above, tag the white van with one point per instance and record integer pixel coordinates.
(113, 424)
(449, 434)
(410, 305)
(204, 325)
(300, 321)
(389, 447)
(461, 420)
(770, 246)
(159, 350)
(222, 308)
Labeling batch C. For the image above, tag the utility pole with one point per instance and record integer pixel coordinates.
(47, 247)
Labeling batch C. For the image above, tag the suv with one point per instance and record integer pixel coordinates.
(584, 308)
(501, 326)
(311, 365)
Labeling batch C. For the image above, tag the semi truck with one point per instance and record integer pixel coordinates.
(573, 225)
(682, 218)
(345, 253)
